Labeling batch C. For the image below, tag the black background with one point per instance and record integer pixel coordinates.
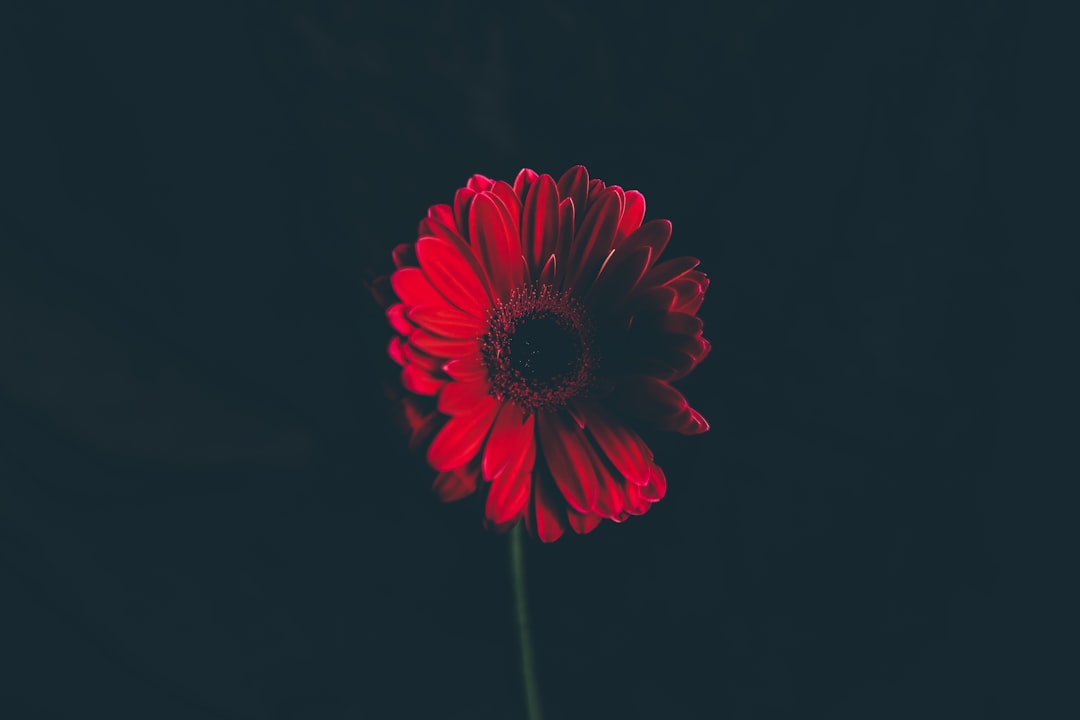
(205, 511)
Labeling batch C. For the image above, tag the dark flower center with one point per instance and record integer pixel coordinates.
(539, 349)
(543, 349)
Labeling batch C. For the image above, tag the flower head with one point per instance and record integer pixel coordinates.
(538, 335)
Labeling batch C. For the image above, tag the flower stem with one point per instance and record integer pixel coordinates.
(528, 670)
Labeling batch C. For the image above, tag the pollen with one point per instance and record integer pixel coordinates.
(539, 349)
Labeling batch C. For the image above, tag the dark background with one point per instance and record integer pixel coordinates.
(205, 511)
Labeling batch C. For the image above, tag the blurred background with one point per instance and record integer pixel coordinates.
(205, 509)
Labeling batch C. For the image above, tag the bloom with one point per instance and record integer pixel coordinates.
(537, 335)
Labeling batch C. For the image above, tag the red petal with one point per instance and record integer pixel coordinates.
(655, 299)
(547, 275)
(633, 214)
(566, 232)
(417, 380)
(619, 276)
(620, 443)
(647, 398)
(508, 497)
(479, 183)
(453, 274)
(414, 288)
(524, 182)
(404, 255)
(686, 290)
(567, 456)
(511, 449)
(444, 347)
(636, 504)
(467, 369)
(509, 202)
(540, 222)
(394, 349)
(420, 422)
(494, 245)
(668, 270)
(458, 398)
(546, 516)
(677, 323)
(398, 320)
(594, 240)
(610, 500)
(582, 523)
(655, 489)
(418, 357)
(456, 484)
(447, 321)
(462, 201)
(690, 290)
(461, 437)
(574, 184)
(697, 425)
(654, 234)
(440, 223)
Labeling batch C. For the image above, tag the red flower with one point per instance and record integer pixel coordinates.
(537, 335)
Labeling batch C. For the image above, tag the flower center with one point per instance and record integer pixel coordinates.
(539, 349)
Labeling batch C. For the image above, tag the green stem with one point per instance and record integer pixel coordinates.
(528, 669)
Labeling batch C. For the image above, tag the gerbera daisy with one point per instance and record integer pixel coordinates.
(538, 335)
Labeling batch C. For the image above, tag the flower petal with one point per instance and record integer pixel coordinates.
(568, 459)
(668, 270)
(414, 288)
(458, 398)
(655, 489)
(574, 184)
(418, 357)
(468, 369)
(619, 276)
(463, 199)
(454, 274)
(593, 240)
(508, 496)
(582, 523)
(610, 499)
(396, 314)
(440, 223)
(420, 381)
(446, 321)
(498, 250)
(421, 419)
(547, 275)
(394, 349)
(633, 214)
(454, 485)
(540, 222)
(546, 514)
(444, 347)
(655, 299)
(654, 234)
(460, 439)
(524, 182)
(509, 202)
(404, 255)
(511, 448)
(479, 183)
(647, 398)
(636, 504)
(619, 443)
(677, 323)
